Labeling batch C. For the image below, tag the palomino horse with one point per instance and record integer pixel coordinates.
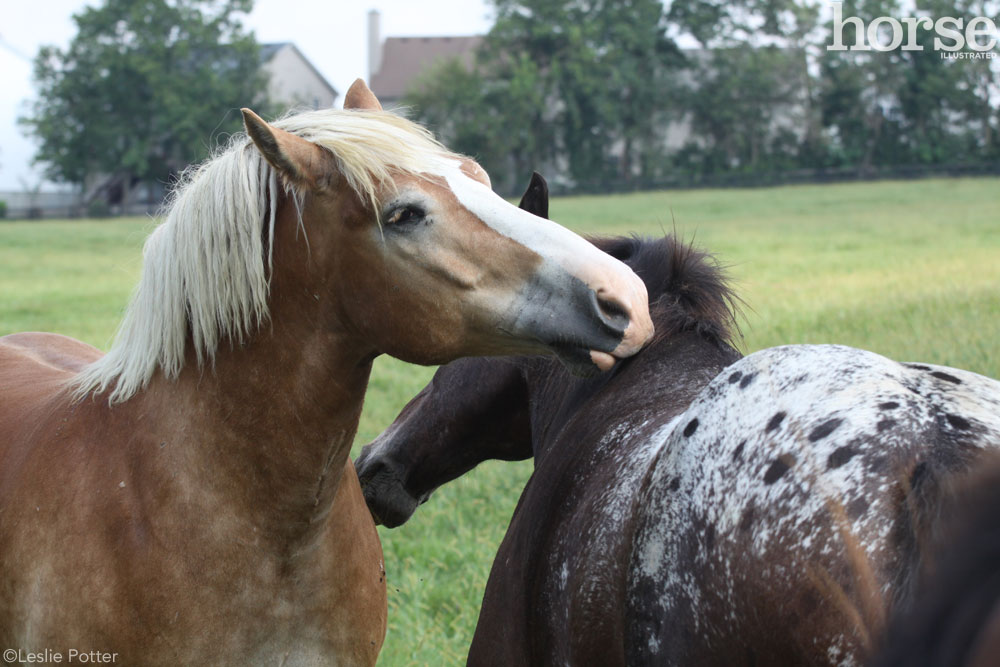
(187, 498)
(692, 507)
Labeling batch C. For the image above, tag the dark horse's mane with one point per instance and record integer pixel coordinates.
(688, 289)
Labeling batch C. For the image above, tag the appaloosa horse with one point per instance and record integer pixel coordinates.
(187, 499)
(692, 507)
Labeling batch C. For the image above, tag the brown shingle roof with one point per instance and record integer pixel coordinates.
(406, 58)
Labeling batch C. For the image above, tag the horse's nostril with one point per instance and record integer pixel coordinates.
(367, 469)
(613, 313)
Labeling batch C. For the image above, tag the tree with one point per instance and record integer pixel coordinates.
(743, 23)
(753, 104)
(747, 110)
(950, 104)
(904, 107)
(580, 88)
(499, 120)
(607, 67)
(141, 87)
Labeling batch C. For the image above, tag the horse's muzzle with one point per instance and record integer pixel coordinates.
(590, 330)
(382, 485)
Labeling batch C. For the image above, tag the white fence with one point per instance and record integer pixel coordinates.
(33, 205)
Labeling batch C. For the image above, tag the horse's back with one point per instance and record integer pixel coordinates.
(35, 369)
(25, 353)
(785, 460)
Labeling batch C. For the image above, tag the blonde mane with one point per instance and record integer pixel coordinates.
(204, 268)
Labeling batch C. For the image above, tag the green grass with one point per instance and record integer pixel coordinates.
(907, 269)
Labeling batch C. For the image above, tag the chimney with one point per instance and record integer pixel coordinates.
(374, 43)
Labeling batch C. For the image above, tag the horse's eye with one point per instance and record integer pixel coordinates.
(405, 215)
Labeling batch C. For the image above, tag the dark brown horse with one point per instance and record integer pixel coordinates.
(690, 507)
(187, 499)
(954, 618)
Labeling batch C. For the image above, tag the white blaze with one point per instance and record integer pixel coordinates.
(553, 242)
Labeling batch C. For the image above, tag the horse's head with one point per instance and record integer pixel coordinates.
(424, 262)
(473, 410)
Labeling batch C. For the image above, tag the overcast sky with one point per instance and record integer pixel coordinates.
(332, 36)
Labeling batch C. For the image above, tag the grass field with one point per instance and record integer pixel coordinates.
(907, 269)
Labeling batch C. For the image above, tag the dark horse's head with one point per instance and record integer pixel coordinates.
(500, 407)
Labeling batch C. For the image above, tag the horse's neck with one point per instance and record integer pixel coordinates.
(270, 425)
(680, 368)
(653, 387)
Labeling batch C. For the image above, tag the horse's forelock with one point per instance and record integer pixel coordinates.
(372, 146)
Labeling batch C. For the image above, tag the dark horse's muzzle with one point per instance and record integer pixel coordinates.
(389, 502)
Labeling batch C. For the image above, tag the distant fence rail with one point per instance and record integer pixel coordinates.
(36, 205)
(41, 204)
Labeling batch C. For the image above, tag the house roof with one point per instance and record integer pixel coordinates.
(267, 51)
(406, 58)
(270, 50)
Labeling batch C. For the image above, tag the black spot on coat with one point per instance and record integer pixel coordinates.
(960, 423)
(825, 429)
(747, 379)
(944, 376)
(776, 470)
(840, 456)
(775, 422)
(691, 427)
(738, 452)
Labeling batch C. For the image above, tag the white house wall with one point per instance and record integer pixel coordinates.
(294, 83)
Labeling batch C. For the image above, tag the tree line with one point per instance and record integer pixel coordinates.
(596, 94)
(599, 93)
(135, 97)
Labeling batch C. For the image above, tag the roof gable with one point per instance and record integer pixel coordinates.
(404, 59)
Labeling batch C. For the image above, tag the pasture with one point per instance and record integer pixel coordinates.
(907, 269)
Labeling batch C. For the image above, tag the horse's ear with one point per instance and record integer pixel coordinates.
(536, 198)
(360, 96)
(301, 162)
